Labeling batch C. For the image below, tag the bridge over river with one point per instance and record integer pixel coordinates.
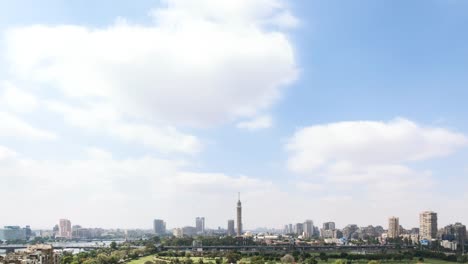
(61, 245)
(288, 248)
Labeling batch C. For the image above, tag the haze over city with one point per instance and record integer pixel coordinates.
(116, 113)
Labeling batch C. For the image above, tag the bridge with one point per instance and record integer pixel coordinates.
(12, 248)
(265, 248)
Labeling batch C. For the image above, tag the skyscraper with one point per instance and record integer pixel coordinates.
(200, 224)
(393, 227)
(230, 228)
(308, 228)
(299, 229)
(65, 230)
(159, 227)
(328, 225)
(239, 217)
(428, 225)
(456, 232)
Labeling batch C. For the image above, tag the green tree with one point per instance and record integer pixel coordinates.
(233, 257)
(340, 261)
(66, 259)
(323, 256)
(257, 260)
(287, 259)
(113, 245)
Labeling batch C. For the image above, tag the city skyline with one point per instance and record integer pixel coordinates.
(113, 114)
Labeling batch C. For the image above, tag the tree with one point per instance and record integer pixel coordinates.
(66, 259)
(340, 261)
(373, 262)
(113, 245)
(323, 256)
(200, 261)
(287, 259)
(311, 261)
(257, 260)
(233, 257)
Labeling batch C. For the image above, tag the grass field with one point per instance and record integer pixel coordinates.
(330, 261)
(142, 260)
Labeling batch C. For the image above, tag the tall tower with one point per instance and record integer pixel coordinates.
(239, 217)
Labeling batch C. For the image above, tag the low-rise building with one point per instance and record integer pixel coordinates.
(36, 254)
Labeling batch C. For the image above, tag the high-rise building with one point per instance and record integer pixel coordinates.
(177, 232)
(12, 233)
(329, 226)
(299, 229)
(349, 231)
(230, 229)
(239, 217)
(65, 229)
(393, 227)
(189, 231)
(200, 224)
(308, 227)
(159, 227)
(456, 232)
(329, 231)
(428, 225)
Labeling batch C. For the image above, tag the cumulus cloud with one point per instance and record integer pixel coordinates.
(102, 118)
(198, 64)
(114, 190)
(365, 166)
(13, 126)
(256, 123)
(369, 142)
(6, 153)
(15, 99)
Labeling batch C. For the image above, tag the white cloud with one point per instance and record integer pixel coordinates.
(231, 13)
(16, 99)
(6, 153)
(369, 142)
(309, 187)
(198, 64)
(13, 126)
(113, 191)
(102, 118)
(256, 123)
(364, 166)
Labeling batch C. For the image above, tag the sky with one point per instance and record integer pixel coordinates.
(115, 113)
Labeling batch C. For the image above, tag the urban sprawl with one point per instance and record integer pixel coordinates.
(24, 245)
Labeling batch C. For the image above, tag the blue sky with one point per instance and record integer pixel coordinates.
(321, 106)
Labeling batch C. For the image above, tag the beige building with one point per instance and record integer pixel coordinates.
(177, 232)
(393, 227)
(35, 254)
(65, 229)
(428, 225)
